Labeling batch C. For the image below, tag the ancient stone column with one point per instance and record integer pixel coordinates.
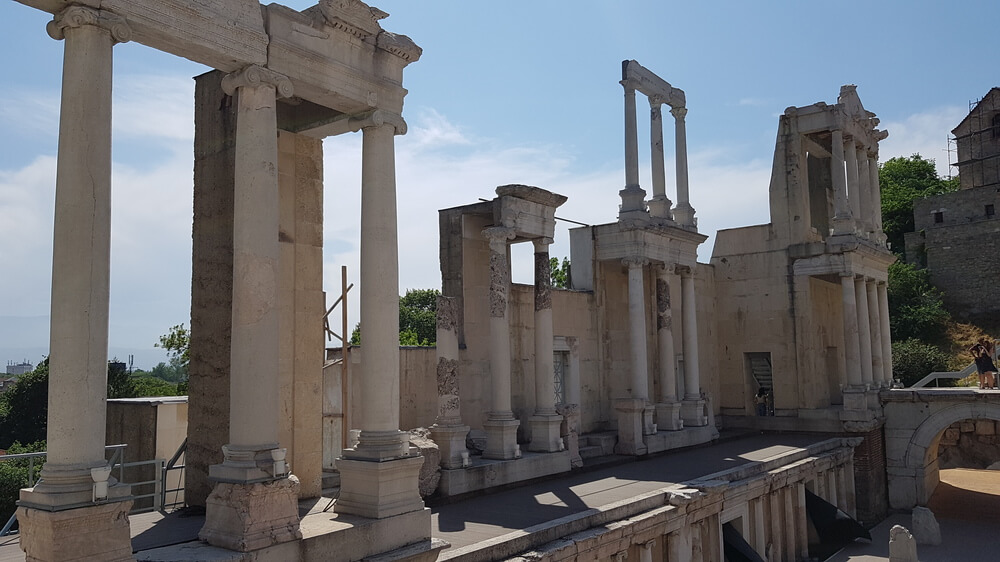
(448, 430)
(254, 463)
(852, 346)
(378, 476)
(659, 205)
(668, 408)
(500, 425)
(864, 190)
(633, 411)
(693, 407)
(78, 339)
(545, 423)
(864, 331)
(875, 328)
(842, 219)
(876, 191)
(683, 212)
(791, 540)
(633, 205)
(853, 186)
(679, 545)
(883, 316)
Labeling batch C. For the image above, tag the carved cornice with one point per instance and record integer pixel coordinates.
(79, 16)
(352, 16)
(399, 45)
(253, 76)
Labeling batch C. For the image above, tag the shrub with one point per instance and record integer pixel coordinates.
(913, 360)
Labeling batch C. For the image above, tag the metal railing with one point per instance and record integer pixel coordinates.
(172, 465)
(954, 375)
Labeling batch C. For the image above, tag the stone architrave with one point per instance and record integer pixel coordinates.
(668, 408)
(500, 425)
(546, 422)
(448, 431)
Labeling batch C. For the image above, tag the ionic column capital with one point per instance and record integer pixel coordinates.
(253, 76)
(634, 262)
(685, 271)
(679, 113)
(629, 86)
(79, 16)
(542, 244)
(665, 269)
(498, 237)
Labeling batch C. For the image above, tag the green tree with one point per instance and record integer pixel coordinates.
(119, 380)
(152, 386)
(14, 476)
(417, 319)
(904, 180)
(559, 272)
(915, 306)
(177, 342)
(24, 407)
(913, 360)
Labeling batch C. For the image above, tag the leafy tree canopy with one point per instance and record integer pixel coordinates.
(915, 306)
(560, 273)
(904, 180)
(417, 319)
(913, 359)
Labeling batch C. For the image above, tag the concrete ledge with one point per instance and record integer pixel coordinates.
(487, 473)
(666, 440)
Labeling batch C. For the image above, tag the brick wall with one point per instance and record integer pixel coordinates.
(870, 485)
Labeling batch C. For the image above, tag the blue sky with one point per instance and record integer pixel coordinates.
(510, 92)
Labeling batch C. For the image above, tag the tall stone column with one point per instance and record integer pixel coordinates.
(668, 408)
(379, 475)
(852, 346)
(448, 430)
(864, 331)
(679, 544)
(883, 316)
(843, 221)
(78, 339)
(875, 328)
(646, 551)
(864, 190)
(853, 185)
(876, 190)
(659, 205)
(633, 205)
(254, 463)
(545, 423)
(500, 425)
(693, 407)
(683, 212)
(634, 415)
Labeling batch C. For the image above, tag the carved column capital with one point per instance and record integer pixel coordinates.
(665, 269)
(634, 262)
(656, 101)
(79, 16)
(378, 118)
(253, 76)
(542, 244)
(679, 113)
(498, 237)
(685, 271)
(620, 556)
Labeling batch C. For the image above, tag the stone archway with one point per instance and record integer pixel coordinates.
(914, 476)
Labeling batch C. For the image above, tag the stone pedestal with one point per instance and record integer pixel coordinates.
(451, 443)
(668, 416)
(100, 532)
(501, 439)
(693, 413)
(648, 426)
(246, 517)
(855, 399)
(570, 431)
(630, 426)
(545, 436)
(379, 489)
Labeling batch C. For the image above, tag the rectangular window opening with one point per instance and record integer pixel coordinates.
(938, 217)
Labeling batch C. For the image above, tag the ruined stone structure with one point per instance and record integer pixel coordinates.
(956, 234)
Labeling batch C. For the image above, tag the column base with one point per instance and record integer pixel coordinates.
(545, 436)
(247, 465)
(69, 489)
(570, 430)
(648, 427)
(668, 416)
(245, 517)
(501, 439)
(631, 413)
(450, 440)
(855, 398)
(380, 446)
(693, 413)
(659, 209)
(684, 214)
(378, 490)
(98, 532)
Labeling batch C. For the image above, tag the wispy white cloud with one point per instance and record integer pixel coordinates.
(924, 133)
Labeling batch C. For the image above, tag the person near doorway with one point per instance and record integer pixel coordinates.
(984, 364)
(760, 401)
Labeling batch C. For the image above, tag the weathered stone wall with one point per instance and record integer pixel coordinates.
(970, 444)
(962, 252)
(870, 477)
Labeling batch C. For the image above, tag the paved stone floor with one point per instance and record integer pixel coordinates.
(967, 503)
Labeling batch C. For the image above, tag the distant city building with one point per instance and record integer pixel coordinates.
(19, 368)
(956, 234)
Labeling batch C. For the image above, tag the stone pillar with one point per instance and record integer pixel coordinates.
(253, 503)
(570, 409)
(852, 346)
(788, 510)
(500, 425)
(759, 534)
(693, 407)
(646, 551)
(668, 408)
(876, 195)
(379, 475)
(683, 212)
(633, 197)
(864, 331)
(81, 268)
(801, 522)
(659, 205)
(875, 328)
(634, 417)
(448, 430)
(545, 423)
(843, 222)
(679, 545)
(853, 186)
(883, 316)
(864, 190)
